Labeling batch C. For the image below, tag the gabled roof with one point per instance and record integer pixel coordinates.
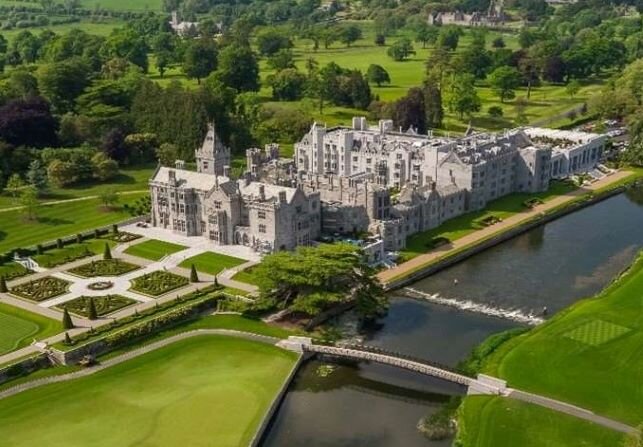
(189, 179)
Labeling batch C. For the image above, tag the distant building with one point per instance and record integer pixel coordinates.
(494, 16)
(183, 28)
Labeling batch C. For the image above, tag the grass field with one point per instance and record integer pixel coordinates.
(514, 423)
(54, 221)
(102, 28)
(460, 226)
(129, 179)
(153, 249)
(588, 355)
(68, 253)
(212, 263)
(203, 391)
(18, 327)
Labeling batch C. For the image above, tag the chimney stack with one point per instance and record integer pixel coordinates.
(172, 177)
(262, 192)
(282, 196)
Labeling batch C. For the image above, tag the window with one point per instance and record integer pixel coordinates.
(217, 205)
(262, 228)
(261, 214)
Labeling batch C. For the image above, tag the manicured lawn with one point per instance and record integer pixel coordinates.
(212, 263)
(510, 423)
(72, 252)
(467, 223)
(54, 221)
(12, 270)
(154, 249)
(105, 305)
(205, 391)
(19, 327)
(588, 355)
(158, 283)
(246, 276)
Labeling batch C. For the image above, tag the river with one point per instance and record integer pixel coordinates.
(360, 404)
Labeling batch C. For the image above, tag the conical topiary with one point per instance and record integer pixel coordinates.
(216, 282)
(107, 253)
(91, 309)
(67, 339)
(194, 276)
(67, 321)
(3, 285)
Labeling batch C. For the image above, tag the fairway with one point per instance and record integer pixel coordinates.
(205, 391)
(154, 249)
(212, 263)
(588, 355)
(18, 327)
(54, 221)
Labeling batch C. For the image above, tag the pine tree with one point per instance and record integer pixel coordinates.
(37, 176)
(194, 277)
(91, 309)
(67, 321)
(3, 285)
(216, 281)
(67, 339)
(107, 254)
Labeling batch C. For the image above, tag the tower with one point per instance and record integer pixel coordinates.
(212, 156)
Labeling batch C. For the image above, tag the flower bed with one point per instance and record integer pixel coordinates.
(158, 283)
(105, 305)
(41, 289)
(103, 267)
(123, 237)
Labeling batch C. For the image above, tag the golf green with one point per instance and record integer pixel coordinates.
(203, 391)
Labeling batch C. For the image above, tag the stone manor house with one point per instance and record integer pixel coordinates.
(360, 179)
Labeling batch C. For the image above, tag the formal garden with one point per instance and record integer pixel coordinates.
(41, 289)
(103, 305)
(13, 270)
(158, 283)
(103, 267)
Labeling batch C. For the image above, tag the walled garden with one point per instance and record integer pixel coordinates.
(41, 289)
(158, 283)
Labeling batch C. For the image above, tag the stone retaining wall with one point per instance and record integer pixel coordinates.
(27, 365)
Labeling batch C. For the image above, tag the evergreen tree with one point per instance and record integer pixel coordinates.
(67, 339)
(3, 285)
(37, 176)
(67, 321)
(216, 281)
(91, 309)
(194, 277)
(107, 253)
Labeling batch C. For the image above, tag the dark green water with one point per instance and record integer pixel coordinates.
(362, 404)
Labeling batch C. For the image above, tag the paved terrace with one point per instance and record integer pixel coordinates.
(483, 234)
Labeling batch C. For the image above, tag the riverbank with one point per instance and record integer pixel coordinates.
(588, 355)
(474, 242)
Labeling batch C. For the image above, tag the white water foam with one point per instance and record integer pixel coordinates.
(470, 306)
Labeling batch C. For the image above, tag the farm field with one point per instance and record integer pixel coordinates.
(167, 397)
(212, 263)
(102, 28)
(128, 180)
(153, 249)
(588, 355)
(19, 327)
(60, 220)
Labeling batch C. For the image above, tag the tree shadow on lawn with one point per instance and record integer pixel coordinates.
(53, 221)
(3, 235)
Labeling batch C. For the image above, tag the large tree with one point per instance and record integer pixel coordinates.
(28, 122)
(271, 40)
(200, 59)
(62, 82)
(238, 68)
(410, 111)
(462, 96)
(504, 81)
(377, 75)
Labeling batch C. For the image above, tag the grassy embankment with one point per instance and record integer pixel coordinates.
(19, 327)
(587, 355)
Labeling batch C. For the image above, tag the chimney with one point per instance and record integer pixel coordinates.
(262, 192)
(172, 177)
(226, 171)
(282, 196)
(433, 186)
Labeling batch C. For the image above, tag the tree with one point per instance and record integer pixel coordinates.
(109, 198)
(281, 60)
(67, 321)
(350, 34)
(104, 167)
(380, 40)
(434, 112)
(61, 173)
(377, 75)
(3, 285)
(462, 96)
(401, 49)
(194, 276)
(91, 309)
(410, 111)
(504, 81)
(271, 40)
(107, 253)
(37, 176)
(28, 122)
(287, 85)
(114, 146)
(498, 42)
(29, 202)
(572, 88)
(238, 68)
(495, 112)
(126, 44)
(449, 37)
(200, 59)
(62, 82)
(68, 340)
(14, 185)
(426, 34)
(167, 154)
